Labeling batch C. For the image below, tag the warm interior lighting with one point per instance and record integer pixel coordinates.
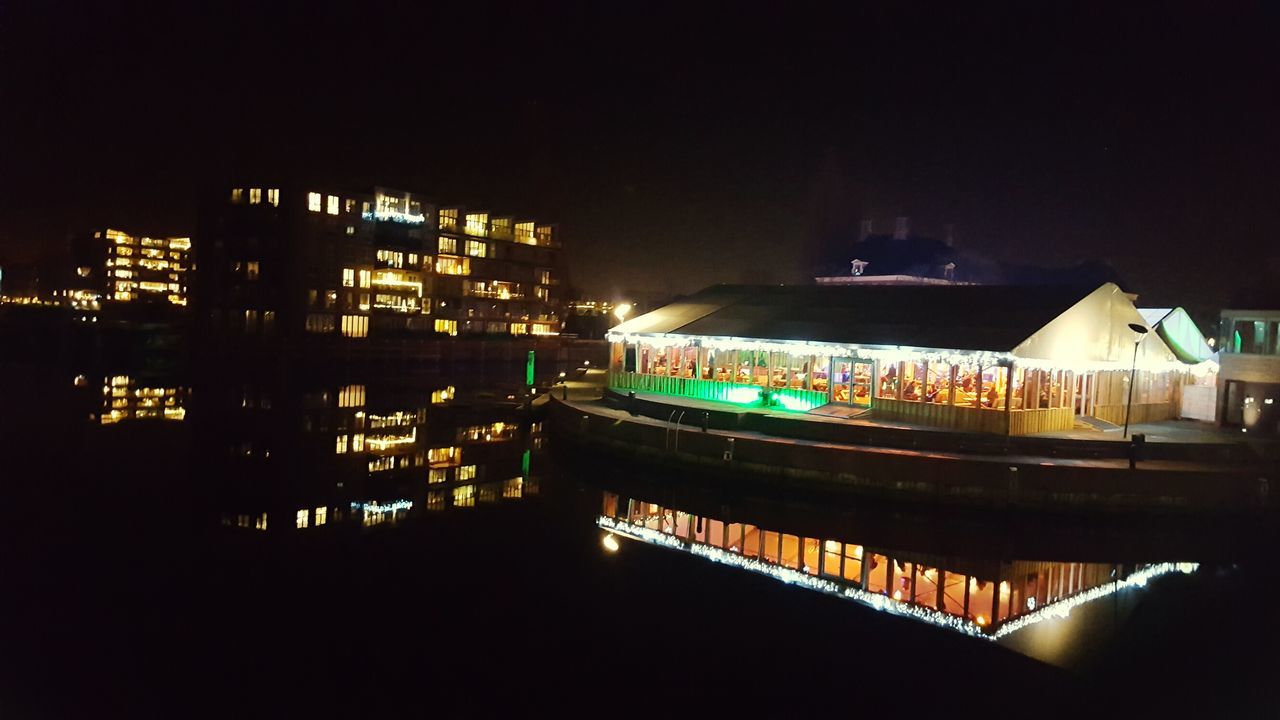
(610, 543)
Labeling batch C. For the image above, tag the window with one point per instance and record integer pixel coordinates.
(524, 233)
(447, 326)
(251, 270)
(519, 328)
(477, 248)
(466, 472)
(448, 245)
(302, 516)
(449, 219)
(453, 265)
(255, 196)
(543, 234)
(348, 277)
(356, 326)
(437, 475)
(322, 514)
(364, 278)
(273, 196)
(237, 195)
(351, 396)
(341, 446)
(332, 205)
(478, 224)
(313, 202)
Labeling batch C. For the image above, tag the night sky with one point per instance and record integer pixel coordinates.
(676, 147)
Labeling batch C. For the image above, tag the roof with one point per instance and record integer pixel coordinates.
(956, 317)
(1176, 328)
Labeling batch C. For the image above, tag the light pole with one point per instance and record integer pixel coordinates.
(1141, 332)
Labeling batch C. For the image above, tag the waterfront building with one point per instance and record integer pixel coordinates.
(385, 263)
(1010, 360)
(1249, 387)
(115, 267)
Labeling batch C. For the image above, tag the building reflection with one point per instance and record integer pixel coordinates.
(290, 454)
(978, 597)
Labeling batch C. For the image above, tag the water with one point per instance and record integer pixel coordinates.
(237, 551)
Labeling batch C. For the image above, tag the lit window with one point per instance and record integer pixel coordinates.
(448, 245)
(332, 205)
(437, 475)
(313, 202)
(351, 396)
(453, 265)
(466, 472)
(449, 219)
(357, 442)
(273, 196)
(302, 516)
(478, 224)
(364, 278)
(322, 514)
(237, 195)
(476, 248)
(355, 326)
(348, 277)
(251, 270)
(447, 326)
(341, 446)
(524, 233)
(255, 196)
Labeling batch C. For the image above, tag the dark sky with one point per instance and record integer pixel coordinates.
(677, 147)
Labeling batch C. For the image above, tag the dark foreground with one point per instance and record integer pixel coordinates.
(123, 599)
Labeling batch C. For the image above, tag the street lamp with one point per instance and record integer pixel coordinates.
(621, 311)
(1140, 332)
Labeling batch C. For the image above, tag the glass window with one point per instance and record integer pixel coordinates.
(332, 205)
(313, 202)
(890, 380)
(1248, 336)
(255, 196)
(913, 381)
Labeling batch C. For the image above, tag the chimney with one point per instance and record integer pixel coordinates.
(951, 234)
(864, 229)
(901, 228)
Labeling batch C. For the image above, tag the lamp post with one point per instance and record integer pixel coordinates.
(1140, 331)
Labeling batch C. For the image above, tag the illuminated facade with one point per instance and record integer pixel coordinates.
(125, 398)
(112, 266)
(983, 599)
(980, 358)
(385, 263)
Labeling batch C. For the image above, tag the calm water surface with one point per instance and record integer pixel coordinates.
(336, 542)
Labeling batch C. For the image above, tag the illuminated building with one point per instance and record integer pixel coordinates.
(982, 599)
(387, 263)
(124, 398)
(1249, 381)
(996, 359)
(112, 266)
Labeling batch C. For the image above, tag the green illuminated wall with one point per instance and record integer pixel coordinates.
(735, 393)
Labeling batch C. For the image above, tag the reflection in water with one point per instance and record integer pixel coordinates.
(983, 599)
(289, 454)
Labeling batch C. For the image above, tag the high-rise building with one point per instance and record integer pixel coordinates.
(385, 263)
(112, 266)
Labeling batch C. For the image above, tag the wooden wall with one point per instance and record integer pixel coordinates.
(1142, 413)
